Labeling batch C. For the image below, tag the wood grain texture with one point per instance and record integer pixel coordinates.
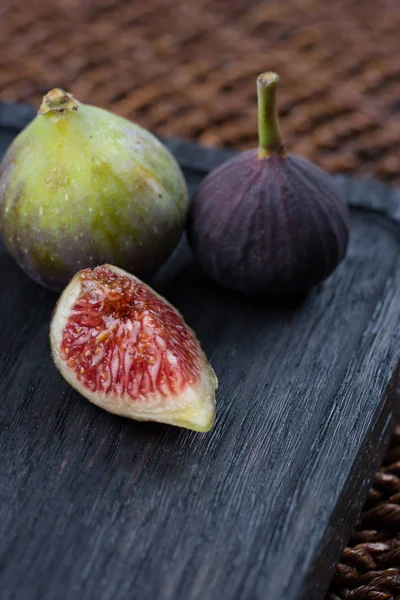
(96, 507)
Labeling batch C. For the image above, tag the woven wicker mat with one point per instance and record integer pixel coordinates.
(187, 68)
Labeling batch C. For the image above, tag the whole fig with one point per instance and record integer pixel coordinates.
(267, 222)
(80, 186)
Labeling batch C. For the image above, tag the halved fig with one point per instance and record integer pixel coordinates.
(127, 350)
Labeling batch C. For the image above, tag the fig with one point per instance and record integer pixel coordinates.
(80, 187)
(129, 351)
(267, 222)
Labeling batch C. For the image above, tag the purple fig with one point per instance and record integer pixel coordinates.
(268, 222)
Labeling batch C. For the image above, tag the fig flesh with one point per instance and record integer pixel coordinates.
(129, 351)
(80, 187)
(267, 222)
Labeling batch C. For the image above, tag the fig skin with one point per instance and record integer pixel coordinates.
(80, 186)
(268, 223)
(122, 327)
(271, 227)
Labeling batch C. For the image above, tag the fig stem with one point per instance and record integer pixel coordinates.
(57, 100)
(269, 133)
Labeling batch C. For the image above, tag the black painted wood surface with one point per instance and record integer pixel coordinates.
(93, 506)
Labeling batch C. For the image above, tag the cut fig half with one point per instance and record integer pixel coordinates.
(127, 350)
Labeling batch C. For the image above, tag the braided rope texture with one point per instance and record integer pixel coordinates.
(188, 69)
(369, 568)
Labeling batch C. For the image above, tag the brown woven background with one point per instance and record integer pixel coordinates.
(369, 567)
(187, 68)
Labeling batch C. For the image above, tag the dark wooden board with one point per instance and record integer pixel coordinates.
(96, 507)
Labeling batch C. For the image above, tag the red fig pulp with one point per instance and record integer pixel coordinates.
(127, 350)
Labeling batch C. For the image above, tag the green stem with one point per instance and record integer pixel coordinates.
(269, 134)
(58, 101)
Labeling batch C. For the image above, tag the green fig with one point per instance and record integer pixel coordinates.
(80, 186)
